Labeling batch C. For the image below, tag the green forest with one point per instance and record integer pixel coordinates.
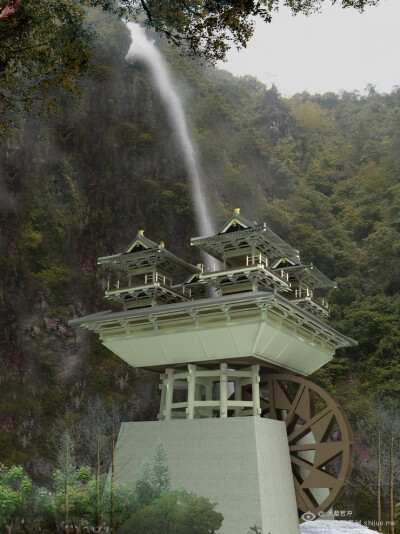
(321, 170)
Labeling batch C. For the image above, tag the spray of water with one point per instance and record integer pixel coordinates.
(144, 49)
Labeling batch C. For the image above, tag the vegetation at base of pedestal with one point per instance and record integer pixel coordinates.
(321, 170)
(26, 508)
(71, 502)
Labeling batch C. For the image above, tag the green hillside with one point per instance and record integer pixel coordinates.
(322, 171)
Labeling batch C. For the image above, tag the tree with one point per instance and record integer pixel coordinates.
(15, 488)
(118, 503)
(81, 491)
(45, 508)
(161, 476)
(175, 512)
(95, 438)
(145, 489)
(207, 28)
(45, 49)
(381, 457)
(195, 515)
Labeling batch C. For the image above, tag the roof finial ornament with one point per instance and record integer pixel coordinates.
(141, 232)
(237, 210)
(162, 244)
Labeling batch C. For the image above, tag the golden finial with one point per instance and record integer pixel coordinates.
(141, 232)
(162, 244)
(255, 222)
(237, 210)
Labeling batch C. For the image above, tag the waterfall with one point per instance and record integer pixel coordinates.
(144, 49)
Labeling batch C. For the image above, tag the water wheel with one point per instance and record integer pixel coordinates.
(319, 435)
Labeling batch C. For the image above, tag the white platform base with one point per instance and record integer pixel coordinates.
(242, 463)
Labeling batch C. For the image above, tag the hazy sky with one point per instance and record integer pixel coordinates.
(337, 49)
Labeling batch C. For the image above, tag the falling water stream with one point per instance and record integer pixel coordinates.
(144, 49)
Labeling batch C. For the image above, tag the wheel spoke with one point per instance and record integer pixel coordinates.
(307, 501)
(290, 420)
(306, 428)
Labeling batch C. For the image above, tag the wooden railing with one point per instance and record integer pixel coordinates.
(307, 293)
(120, 282)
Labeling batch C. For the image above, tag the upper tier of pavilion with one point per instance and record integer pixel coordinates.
(239, 237)
(145, 272)
(253, 258)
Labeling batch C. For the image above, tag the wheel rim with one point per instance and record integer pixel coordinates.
(320, 440)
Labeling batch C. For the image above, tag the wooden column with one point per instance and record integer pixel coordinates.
(163, 387)
(223, 390)
(169, 393)
(209, 396)
(238, 394)
(191, 391)
(255, 390)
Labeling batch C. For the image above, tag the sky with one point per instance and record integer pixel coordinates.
(335, 50)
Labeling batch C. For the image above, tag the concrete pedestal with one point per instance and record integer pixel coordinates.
(242, 463)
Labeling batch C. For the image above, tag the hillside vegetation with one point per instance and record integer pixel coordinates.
(322, 171)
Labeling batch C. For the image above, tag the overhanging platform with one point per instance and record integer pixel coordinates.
(261, 326)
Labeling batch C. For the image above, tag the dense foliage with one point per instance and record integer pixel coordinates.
(321, 170)
(70, 505)
(45, 47)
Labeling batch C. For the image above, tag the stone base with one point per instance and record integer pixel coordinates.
(242, 463)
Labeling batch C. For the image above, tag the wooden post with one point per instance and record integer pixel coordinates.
(223, 390)
(209, 395)
(238, 395)
(255, 383)
(191, 391)
(169, 393)
(163, 387)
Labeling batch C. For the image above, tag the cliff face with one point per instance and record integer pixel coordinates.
(320, 171)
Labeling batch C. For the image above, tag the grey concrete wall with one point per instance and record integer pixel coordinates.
(241, 463)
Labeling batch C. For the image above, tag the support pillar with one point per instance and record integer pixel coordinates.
(223, 390)
(163, 387)
(238, 395)
(169, 393)
(255, 389)
(191, 391)
(209, 397)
